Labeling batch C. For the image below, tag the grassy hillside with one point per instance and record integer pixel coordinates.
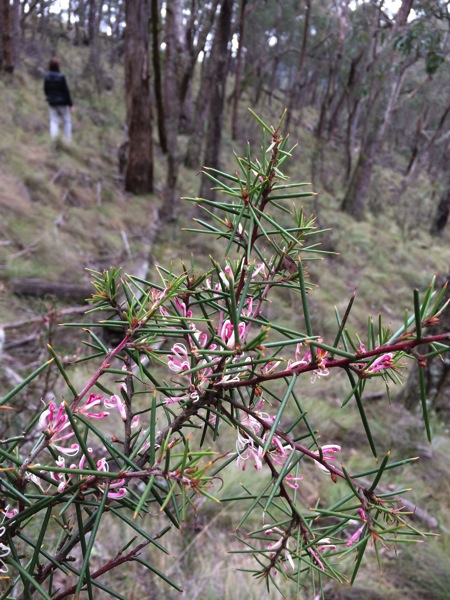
(64, 210)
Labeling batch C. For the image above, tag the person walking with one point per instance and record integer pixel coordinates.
(59, 100)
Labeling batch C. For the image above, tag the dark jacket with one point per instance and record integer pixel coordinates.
(56, 89)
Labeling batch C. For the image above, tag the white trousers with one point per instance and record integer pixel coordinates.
(57, 113)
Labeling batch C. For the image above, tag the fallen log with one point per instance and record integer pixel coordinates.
(72, 292)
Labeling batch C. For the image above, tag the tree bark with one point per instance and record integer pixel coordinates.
(139, 171)
(192, 158)
(173, 66)
(442, 212)
(238, 74)
(94, 19)
(384, 94)
(294, 95)
(7, 39)
(157, 78)
(220, 60)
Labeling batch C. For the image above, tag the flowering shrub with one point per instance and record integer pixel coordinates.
(198, 356)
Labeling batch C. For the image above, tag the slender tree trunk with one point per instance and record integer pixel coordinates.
(94, 20)
(442, 212)
(7, 40)
(200, 113)
(80, 25)
(156, 58)
(355, 197)
(1, 35)
(192, 158)
(220, 57)
(172, 107)
(354, 201)
(295, 90)
(69, 14)
(16, 32)
(238, 74)
(350, 142)
(139, 171)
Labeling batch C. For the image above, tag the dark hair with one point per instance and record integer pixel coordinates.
(53, 65)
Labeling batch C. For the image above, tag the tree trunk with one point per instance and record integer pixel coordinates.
(220, 60)
(199, 114)
(94, 19)
(238, 75)
(81, 36)
(7, 39)
(16, 32)
(173, 66)
(139, 171)
(156, 21)
(192, 158)
(442, 212)
(355, 197)
(294, 95)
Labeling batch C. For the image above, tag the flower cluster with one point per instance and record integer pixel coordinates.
(249, 449)
(287, 545)
(56, 425)
(198, 362)
(381, 363)
(278, 544)
(320, 360)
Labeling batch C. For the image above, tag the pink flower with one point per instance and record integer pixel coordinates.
(299, 359)
(86, 410)
(320, 360)
(52, 422)
(248, 309)
(102, 465)
(116, 402)
(63, 479)
(275, 545)
(4, 551)
(248, 450)
(260, 268)
(227, 333)
(270, 367)
(179, 361)
(316, 558)
(355, 536)
(192, 396)
(182, 309)
(9, 513)
(227, 276)
(281, 453)
(199, 338)
(325, 544)
(328, 452)
(57, 427)
(381, 363)
(290, 480)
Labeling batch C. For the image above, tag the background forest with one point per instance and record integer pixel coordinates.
(162, 89)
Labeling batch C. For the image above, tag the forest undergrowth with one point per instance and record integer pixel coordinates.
(64, 211)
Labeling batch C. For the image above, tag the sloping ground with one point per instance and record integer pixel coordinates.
(63, 209)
